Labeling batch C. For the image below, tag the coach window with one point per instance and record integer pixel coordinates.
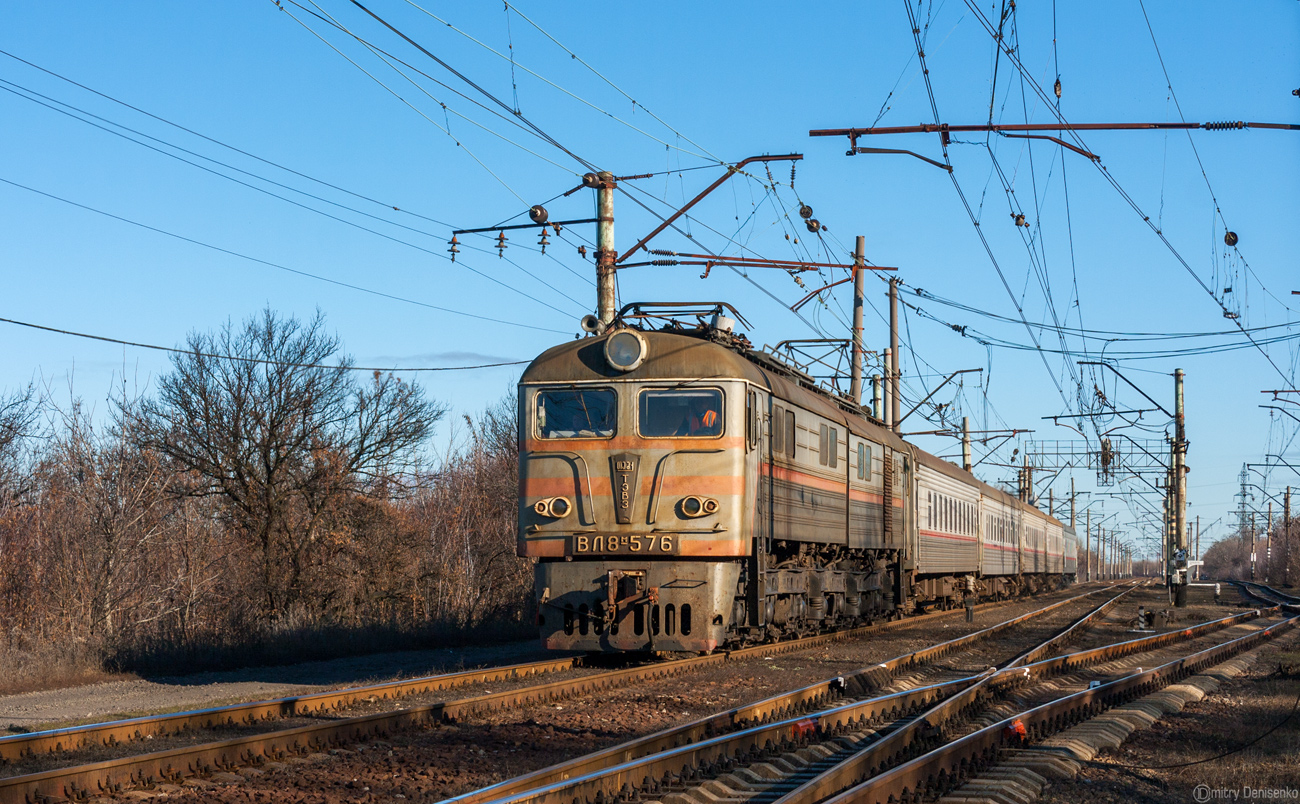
(778, 430)
(681, 413)
(575, 413)
(835, 448)
(864, 462)
(789, 433)
(823, 450)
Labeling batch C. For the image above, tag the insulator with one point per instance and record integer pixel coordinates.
(538, 214)
(805, 211)
(1224, 126)
(455, 248)
(663, 252)
(664, 263)
(792, 167)
(501, 244)
(542, 241)
(1230, 238)
(813, 224)
(557, 227)
(1058, 88)
(582, 252)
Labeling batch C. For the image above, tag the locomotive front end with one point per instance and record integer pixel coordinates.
(632, 491)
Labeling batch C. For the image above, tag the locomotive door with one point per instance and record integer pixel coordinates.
(907, 514)
(887, 505)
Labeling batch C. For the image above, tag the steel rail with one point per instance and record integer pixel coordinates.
(1267, 593)
(894, 749)
(938, 770)
(71, 738)
(676, 750)
(17, 746)
(112, 775)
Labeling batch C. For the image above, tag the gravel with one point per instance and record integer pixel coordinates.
(433, 764)
(117, 699)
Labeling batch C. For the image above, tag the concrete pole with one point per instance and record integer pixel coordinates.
(888, 418)
(859, 281)
(1071, 502)
(877, 397)
(1253, 546)
(965, 444)
(1087, 545)
(1110, 555)
(606, 255)
(1180, 500)
(896, 396)
(1198, 546)
(1268, 545)
(1286, 537)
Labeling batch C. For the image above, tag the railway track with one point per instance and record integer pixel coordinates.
(115, 774)
(939, 770)
(807, 758)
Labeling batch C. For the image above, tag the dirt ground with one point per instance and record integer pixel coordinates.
(117, 699)
(1260, 707)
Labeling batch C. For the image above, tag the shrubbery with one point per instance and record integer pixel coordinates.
(266, 504)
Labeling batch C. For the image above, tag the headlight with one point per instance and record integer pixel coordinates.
(555, 507)
(693, 506)
(624, 350)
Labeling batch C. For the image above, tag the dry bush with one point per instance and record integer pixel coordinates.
(262, 509)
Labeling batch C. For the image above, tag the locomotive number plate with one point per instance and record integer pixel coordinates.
(618, 544)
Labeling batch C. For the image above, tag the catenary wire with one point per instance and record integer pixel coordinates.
(272, 264)
(258, 361)
(1075, 135)
(215, 141)
(551, 83)
(255, 187)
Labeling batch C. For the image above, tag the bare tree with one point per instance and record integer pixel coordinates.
(18, 416)
(270, 418)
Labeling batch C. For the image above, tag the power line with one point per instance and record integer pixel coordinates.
(258, 361)
(548, 138)
(540, 77)
(268, 192)
(390, 60)
(272, 264)
(1074, 134)
(934, 108)
(228, 146)
(12, 88)
(616, 88)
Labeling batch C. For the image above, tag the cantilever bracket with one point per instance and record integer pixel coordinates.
(859, 150)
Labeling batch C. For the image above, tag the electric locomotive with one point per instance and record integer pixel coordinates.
(682, 491)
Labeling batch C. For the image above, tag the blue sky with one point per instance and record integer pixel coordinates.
(711, 82)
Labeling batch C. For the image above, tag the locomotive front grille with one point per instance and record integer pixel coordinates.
(614, 605)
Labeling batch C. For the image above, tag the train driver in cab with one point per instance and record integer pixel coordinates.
(704, 420)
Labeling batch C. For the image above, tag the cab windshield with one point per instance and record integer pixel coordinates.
(681, 413)
(572, 413)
